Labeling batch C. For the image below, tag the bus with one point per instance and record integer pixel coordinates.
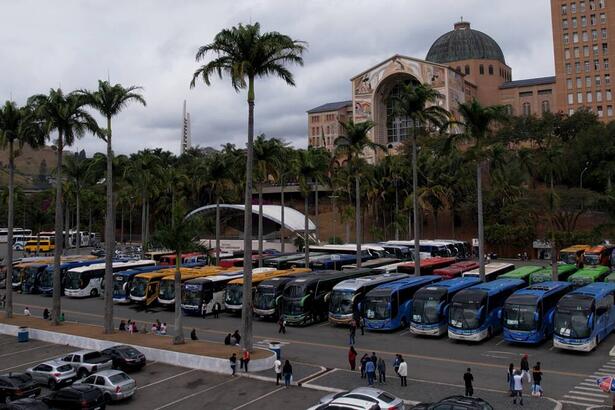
(585, 317)
(522, 272)
(387, 268)
(373, 250)
(431, 305)
(19, 271)
(44, 245)
(372, 263)
(427, 265)
(286, 261)
(345, 303)
(305, 299)
(475, 312)
(122, 282)
(463, 248)
(194, 257)
(564, 270)
(401, 252)
(527, 316)
(4, 232)
(145, 286)
(569, 254)
(589, 275)
(86, 281)
(45, 283)
(156, 255)
(389, 306)
(233, 295)
(202, 293)
(268, 295)
(492, 271)
(336, 261)
(599, 255)
(166, 293)
(456, 269)
(427, 248)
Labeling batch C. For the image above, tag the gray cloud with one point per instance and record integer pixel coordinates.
(73, 43)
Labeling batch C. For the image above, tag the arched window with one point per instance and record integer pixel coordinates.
(398, 127)
(490, 70)
(467, 69)
(527, 109)
(545, 106)
(481, 69)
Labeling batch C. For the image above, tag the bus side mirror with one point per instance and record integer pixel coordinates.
(499, 314)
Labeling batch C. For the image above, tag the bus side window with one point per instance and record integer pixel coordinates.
(394, 304)
(604, 305)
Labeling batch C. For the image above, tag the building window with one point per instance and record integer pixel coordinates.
(609, 110)
(586, 66)
(481, 69)
(601, 3)
(316, 118)
(602, 18)
(545, 107)
(594, 35)
(574, 23)
(605, 48)
(328, 130)
(582, 6)
(604, 34)
(583, 21)
(398, 127)
(607, 79)
(597, 65)
(569, 83)
(595, 49)
(600, 112)
(490, 70)
(526, 94)
(585, 51)
(568, 68)
(573, 7)
(588, 82)
(598, 96)
(579, 97)
(564, 9)
(592, 5)
(592, 19)
(565, 38)
(589, 97)
(467, 69)
(576, 52)
(565, 24)
(579, 82)
(545, 92)
(609, 96)
(577, 67)
(606, 64)
(570, 99)
(597, 81)
(575, 37)
(527, 109)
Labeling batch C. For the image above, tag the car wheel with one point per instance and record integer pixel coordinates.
(52, 384)
(82, 373)
(107, 398)
(7, 399)
(94, 293)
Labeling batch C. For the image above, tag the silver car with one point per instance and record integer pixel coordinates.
(384, 399)
(53, 373)
(115, 384)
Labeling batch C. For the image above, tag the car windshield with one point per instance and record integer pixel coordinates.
(464, 315)
(341, 302)
(519, 317)
(73, 280)
(129, 352)
(191, 295)
(139, 285)
(167, 289)
(264, 298)
(118, 378)
(234, 294)
(426, 305)
(378, 307)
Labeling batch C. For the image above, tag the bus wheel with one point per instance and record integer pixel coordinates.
(404, 323)
(94, 293)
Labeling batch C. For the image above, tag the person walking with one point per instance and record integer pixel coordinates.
(396, 363)
(245, 359)
(281, 325)
(382, 371)
(468, 378)
(288, 373)
(370, 370)
(510, 378)
(233, 362)
(216, 310)
(525, 367)
(364, 360)
(403, 371)
(352, 358)
(518, 388)
(352, 334)
(362, 325)
(537, 377)
(277, 367)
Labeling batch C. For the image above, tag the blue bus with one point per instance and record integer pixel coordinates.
(431, 305)
(337, 260)
(122, 281)
(584, 317)
(527, 316)
(389, 306)
(45, 284)
(475, 312)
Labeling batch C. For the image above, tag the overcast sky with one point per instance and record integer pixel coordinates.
(150, 43)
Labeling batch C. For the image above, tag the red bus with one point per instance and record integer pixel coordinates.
(193, 257)
(428, 265)
(456, 269)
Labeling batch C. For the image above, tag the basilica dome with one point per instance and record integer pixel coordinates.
(464, 43)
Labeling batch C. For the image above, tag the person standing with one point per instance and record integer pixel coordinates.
(216, 310)
(352, 358)
(374, 358)
(46, 314)
(525, 367)
(518, 389)
(26, 312)
(382, 371)
(288, 373)
(370, 370)
(468, 378)
(203, 310)
(352, 334)
(282, 325)
(245, 358)
(364, 360)
(403, 371)
(510, 378)
(233, 361)
(396, 363)
(277, 367)
(537, 377)
(362, 325)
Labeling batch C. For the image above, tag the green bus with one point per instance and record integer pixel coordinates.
(522, 272)
(564, 270)
(589, 275)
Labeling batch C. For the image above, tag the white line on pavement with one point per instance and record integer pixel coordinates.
(584, 393)
(583, 398)
(27, 363)
(405, 333)
(589, 384)
(500, 342)
(318, 377)
(603, 374)
(22, 351)
(258, 398)
(195, 394)
(167, 378)
(593, 388)
(576, 403)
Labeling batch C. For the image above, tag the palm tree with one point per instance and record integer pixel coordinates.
(64, 114)
(180, 235)
(244, 53)
(109, 100)
(418, 103)
(17, 126)
(477, 121)
(351, 146)
(76, 169)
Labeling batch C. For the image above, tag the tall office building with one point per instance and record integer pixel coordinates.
(186, 134)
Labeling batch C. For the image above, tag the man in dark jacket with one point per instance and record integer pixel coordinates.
(468, 378)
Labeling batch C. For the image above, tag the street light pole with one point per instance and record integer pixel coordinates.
(582, 172)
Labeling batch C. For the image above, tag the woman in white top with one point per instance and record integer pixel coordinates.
(403, 371)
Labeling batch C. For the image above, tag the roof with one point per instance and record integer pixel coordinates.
(528, 82)
(464, 43)
(406, 282)
(332, 106)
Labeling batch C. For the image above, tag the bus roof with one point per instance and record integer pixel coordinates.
(521, 272)
(188, 273)
(261, 276)
(126, 264)
(329, 274)
(228, 276)
(407, 282)
(357, 283)
(575, 248)
(590, 271)
(543, 289)
(598, 249)
(373, 263)
(489, 268)
(347, 247)
(457, 267)
(596, 289)
(136, 271)
(431, 262)
(498, 285)
(453, 285)
(561, 268)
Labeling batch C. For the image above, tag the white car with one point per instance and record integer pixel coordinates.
(343, 403)
(384, 399)
(115, 384)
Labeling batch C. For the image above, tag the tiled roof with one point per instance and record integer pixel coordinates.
(529, 82)
(332, 106)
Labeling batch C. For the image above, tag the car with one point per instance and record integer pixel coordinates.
(28, 404)
(346, 403)
(79, 396)
(115, 384)
(125, 357)
(15, 386)
(53, 374)
(457, 403)
(86, 362)
(384, 399)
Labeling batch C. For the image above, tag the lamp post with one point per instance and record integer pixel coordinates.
(333, 198)
(582, 172)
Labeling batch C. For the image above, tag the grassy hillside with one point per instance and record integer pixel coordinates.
(30, 166)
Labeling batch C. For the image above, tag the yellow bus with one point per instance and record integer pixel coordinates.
(233, 297)
(44, 245)
(166, 294)
(569, 254)
(145, 286)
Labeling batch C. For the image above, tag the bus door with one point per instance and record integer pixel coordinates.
(152, 292)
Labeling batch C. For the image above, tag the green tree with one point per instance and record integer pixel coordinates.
(245, 54)
(76, 169)
(219, 182)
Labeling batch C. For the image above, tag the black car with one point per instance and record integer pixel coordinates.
(78, 396)
(15, 386)
(28, 404)
(125, 357)
(457, 403)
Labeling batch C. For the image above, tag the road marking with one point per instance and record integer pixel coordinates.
(34, 361)
(168, 378)
(576, 403)
(500, 342)
(593, 394)
(195, 394)
(583, 398)
(600, 374)
(322, 324)
(593, 388)
(589, 384)
(259, 398)
(22, 351)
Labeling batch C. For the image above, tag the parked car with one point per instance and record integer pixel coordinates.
(384, 399)
(115, 384)
(343, 403)
(457, 403)
(15, 386)
(53, 374)
(28, 404)
(80, 396)
(125, 357)
(86, 362)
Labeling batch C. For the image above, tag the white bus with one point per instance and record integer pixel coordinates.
(4, 232)
(87, 281)
(492, 271)
(87, 239)
(203, 293)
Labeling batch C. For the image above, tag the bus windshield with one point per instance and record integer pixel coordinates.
(294, 291)
(465, 311)
(264, 297)
(167, 289)
(118, 285)
(572, 317)
(592, 259)
(341, 302)
(234, 294)
(378, 307)
(139, 286)
(191, 295)
(73, 280)
(426, 305)
(519, 317)
(568, 257)
(47, 279)
(294, 307)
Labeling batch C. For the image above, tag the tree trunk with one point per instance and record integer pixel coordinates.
(246, 314)
(306, 231)
(409, 224)
(260, 225)
(178, 338)
(481, 230)
(109, 236)
(90, 225)
(415, 185)
(218, 231)
(282, 241)
(357, 189)
(77, 219)
(130, 223)
(143, 226)
(9, 237)
(347, 226)
(66, 227)
(57, 285)
(147, 224)
(121, 224)
(396, 219)
(554, 275)
(317, 214)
